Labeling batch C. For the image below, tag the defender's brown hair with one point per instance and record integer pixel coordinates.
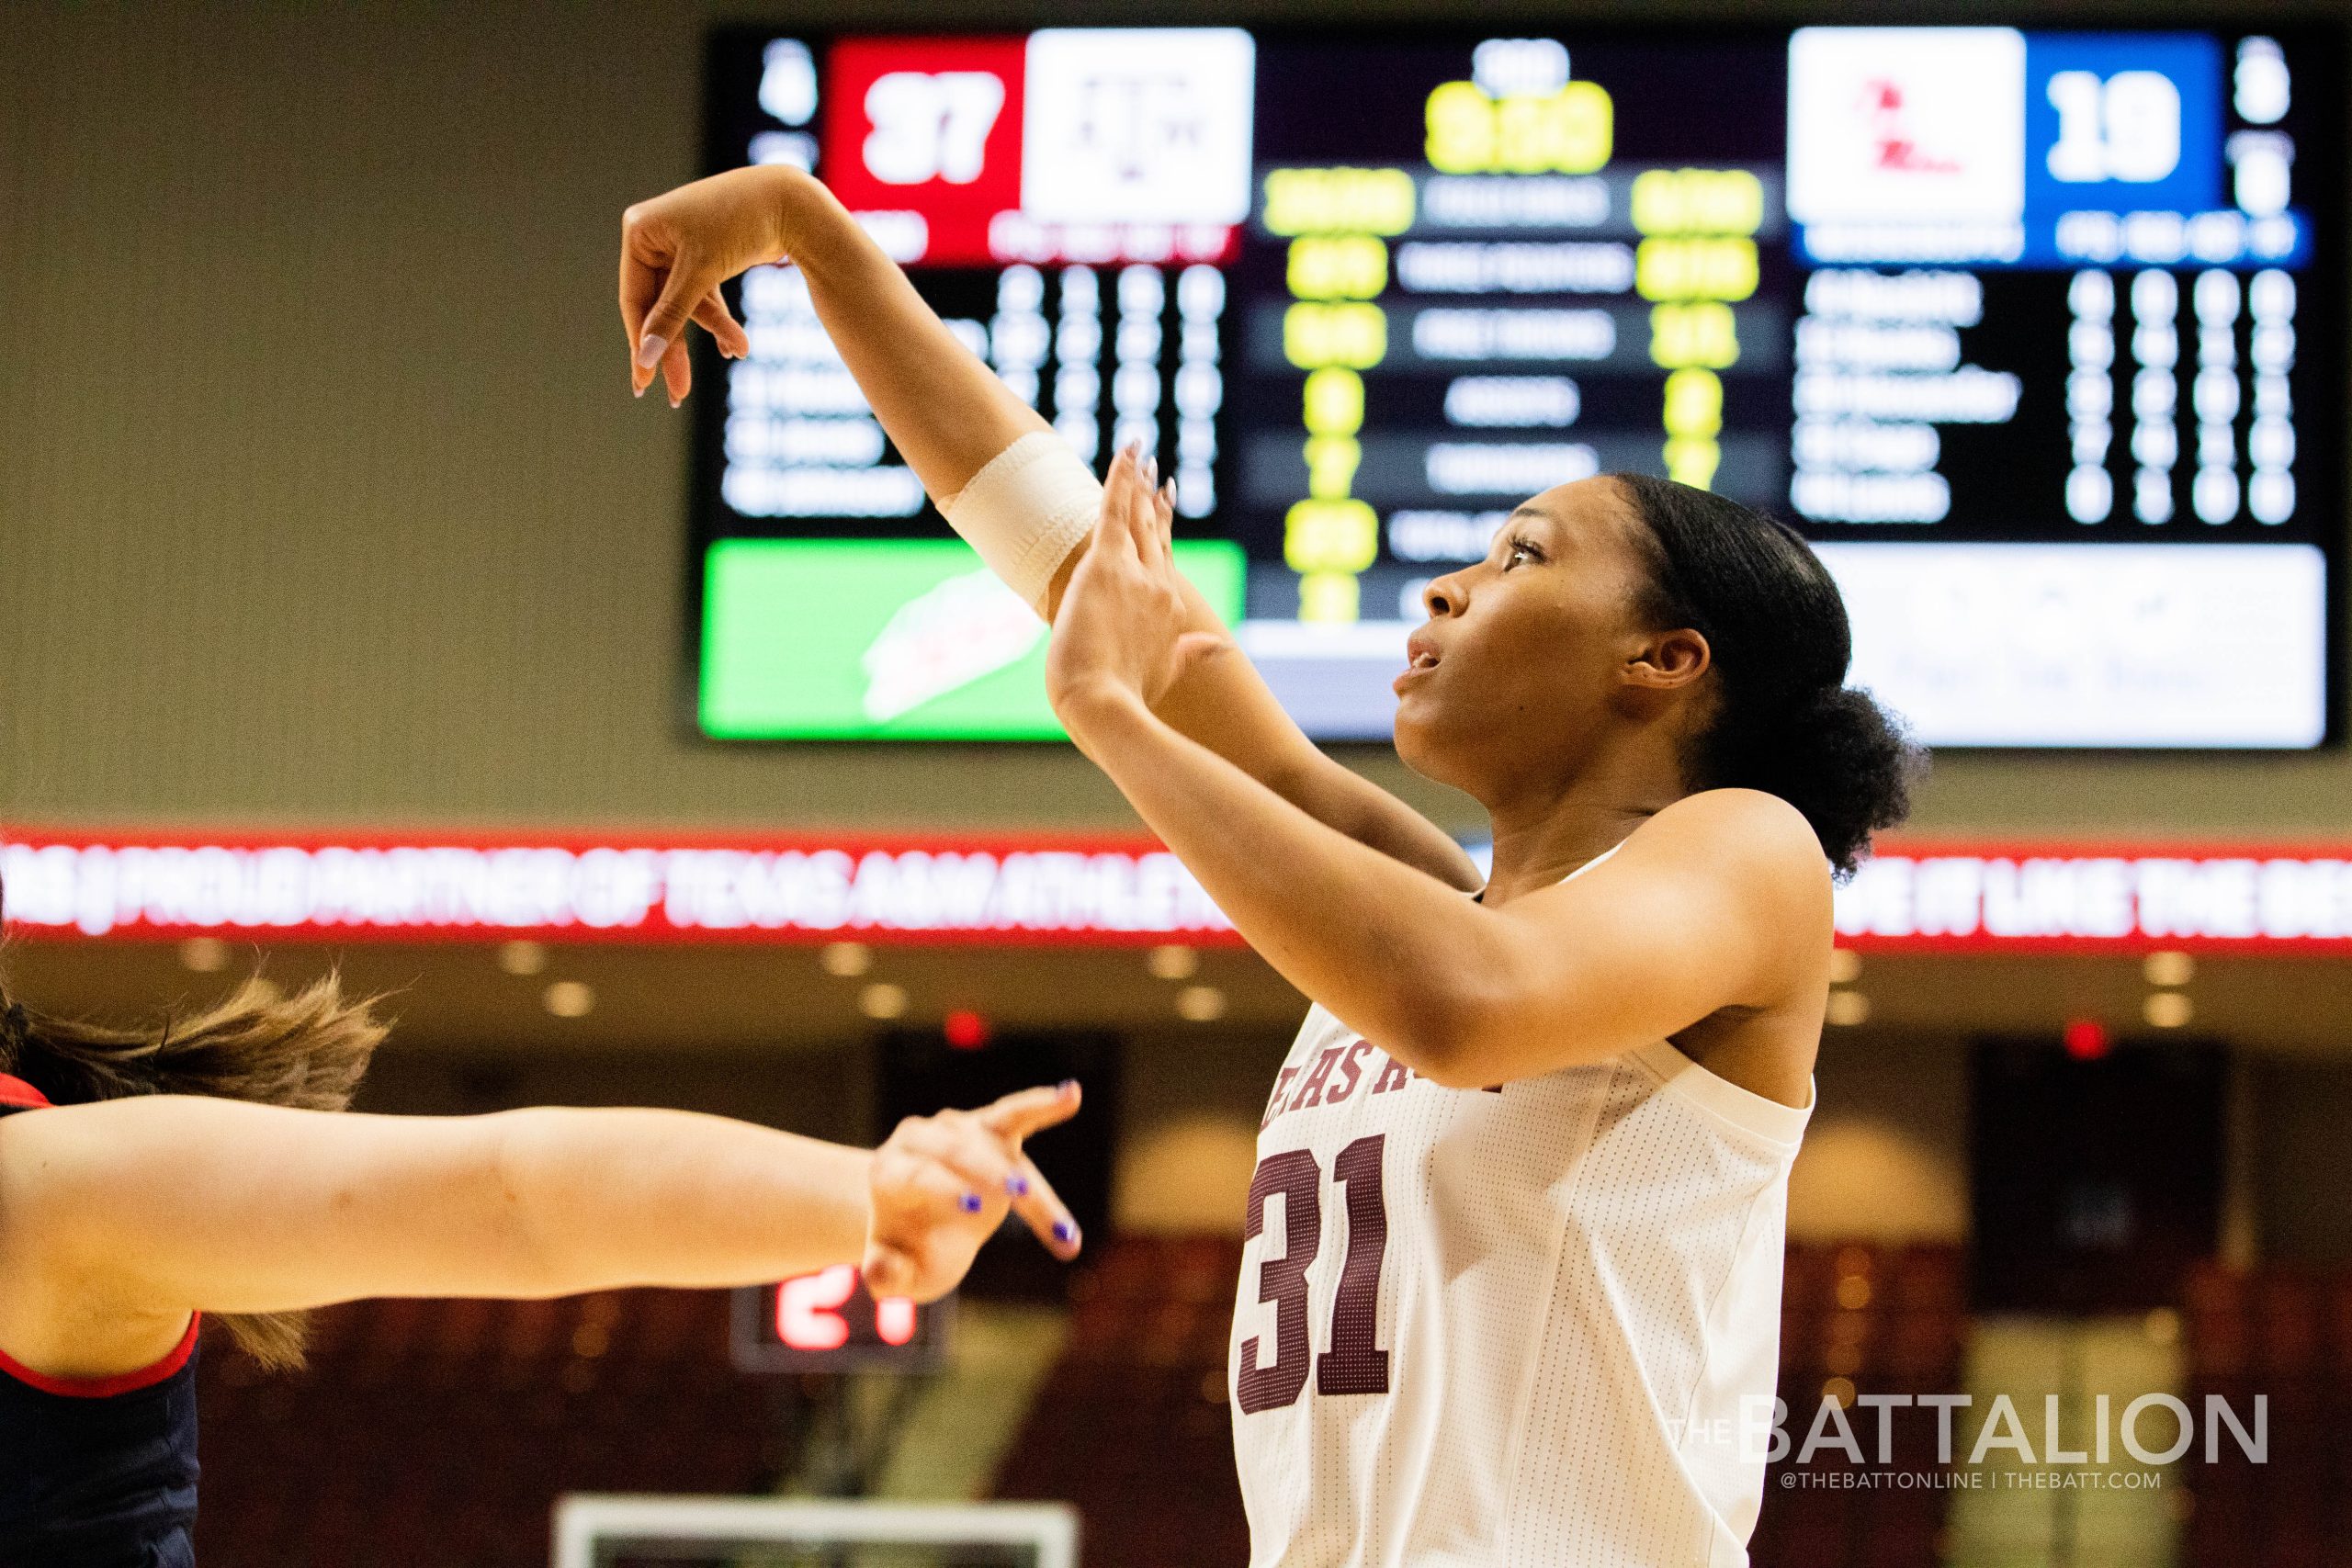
(308, 1050)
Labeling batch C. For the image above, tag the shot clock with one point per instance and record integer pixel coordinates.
(828, 1322)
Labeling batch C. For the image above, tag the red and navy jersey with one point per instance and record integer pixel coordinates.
(96, 1473)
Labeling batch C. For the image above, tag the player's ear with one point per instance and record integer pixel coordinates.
(1668, 660)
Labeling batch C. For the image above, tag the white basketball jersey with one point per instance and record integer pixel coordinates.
(1504, 1327)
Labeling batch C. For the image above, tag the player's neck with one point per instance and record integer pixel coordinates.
(1545, 833)
(1537, 856)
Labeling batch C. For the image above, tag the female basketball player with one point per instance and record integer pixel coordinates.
(1518, 1300)
(145, 1179)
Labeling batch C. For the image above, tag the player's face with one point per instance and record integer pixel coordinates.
(1519, 669)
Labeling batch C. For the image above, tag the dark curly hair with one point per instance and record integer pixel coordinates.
(1785, 721)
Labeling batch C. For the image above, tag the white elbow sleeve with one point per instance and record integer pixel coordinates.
(1027, 511)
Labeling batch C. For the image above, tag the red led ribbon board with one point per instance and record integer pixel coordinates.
(1082, 890)
(2059, 897)
(1034, 889)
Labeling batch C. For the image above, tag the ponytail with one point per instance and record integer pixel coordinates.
(308, 1050)
(1837, 756)
(1785, 721)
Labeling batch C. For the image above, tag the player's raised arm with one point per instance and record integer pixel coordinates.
(128, 1214)
(1719, 899)
(1002, 478)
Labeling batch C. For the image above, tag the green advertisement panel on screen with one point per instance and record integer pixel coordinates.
(896, 639)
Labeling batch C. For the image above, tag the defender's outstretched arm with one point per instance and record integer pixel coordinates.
(118, 1219)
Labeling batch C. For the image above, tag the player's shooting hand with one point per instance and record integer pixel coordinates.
(943, 1184)
(676, 249)
(1120, 632)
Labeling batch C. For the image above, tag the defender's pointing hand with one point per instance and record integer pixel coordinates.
(943, 1184)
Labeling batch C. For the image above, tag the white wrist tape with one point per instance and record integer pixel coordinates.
(1027, 511)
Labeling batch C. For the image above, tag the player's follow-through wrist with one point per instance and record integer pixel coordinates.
(1027, 509)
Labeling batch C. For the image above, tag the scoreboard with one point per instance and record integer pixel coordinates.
(2037, 335)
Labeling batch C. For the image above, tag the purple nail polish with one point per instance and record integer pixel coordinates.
(1067, 1085)
(970, 1202)
(1065, 1232)
(1017, 1185)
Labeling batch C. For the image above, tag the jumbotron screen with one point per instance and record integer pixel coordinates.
(2035, 334)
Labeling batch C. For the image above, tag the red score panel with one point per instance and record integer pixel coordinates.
(930, 125)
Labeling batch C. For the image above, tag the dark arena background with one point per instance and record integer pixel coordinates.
(354, 617)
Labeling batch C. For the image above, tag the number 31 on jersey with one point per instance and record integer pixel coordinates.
(1353, 1363)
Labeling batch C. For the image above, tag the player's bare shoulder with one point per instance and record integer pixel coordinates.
(1751, 823)
(1759, 849)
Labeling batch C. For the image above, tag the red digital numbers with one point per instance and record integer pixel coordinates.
(894, 1320)
(828, 1310)
(929, 126)
(806, 1309)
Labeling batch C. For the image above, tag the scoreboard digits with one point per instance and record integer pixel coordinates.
(2022, 328)
(828, 1322)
